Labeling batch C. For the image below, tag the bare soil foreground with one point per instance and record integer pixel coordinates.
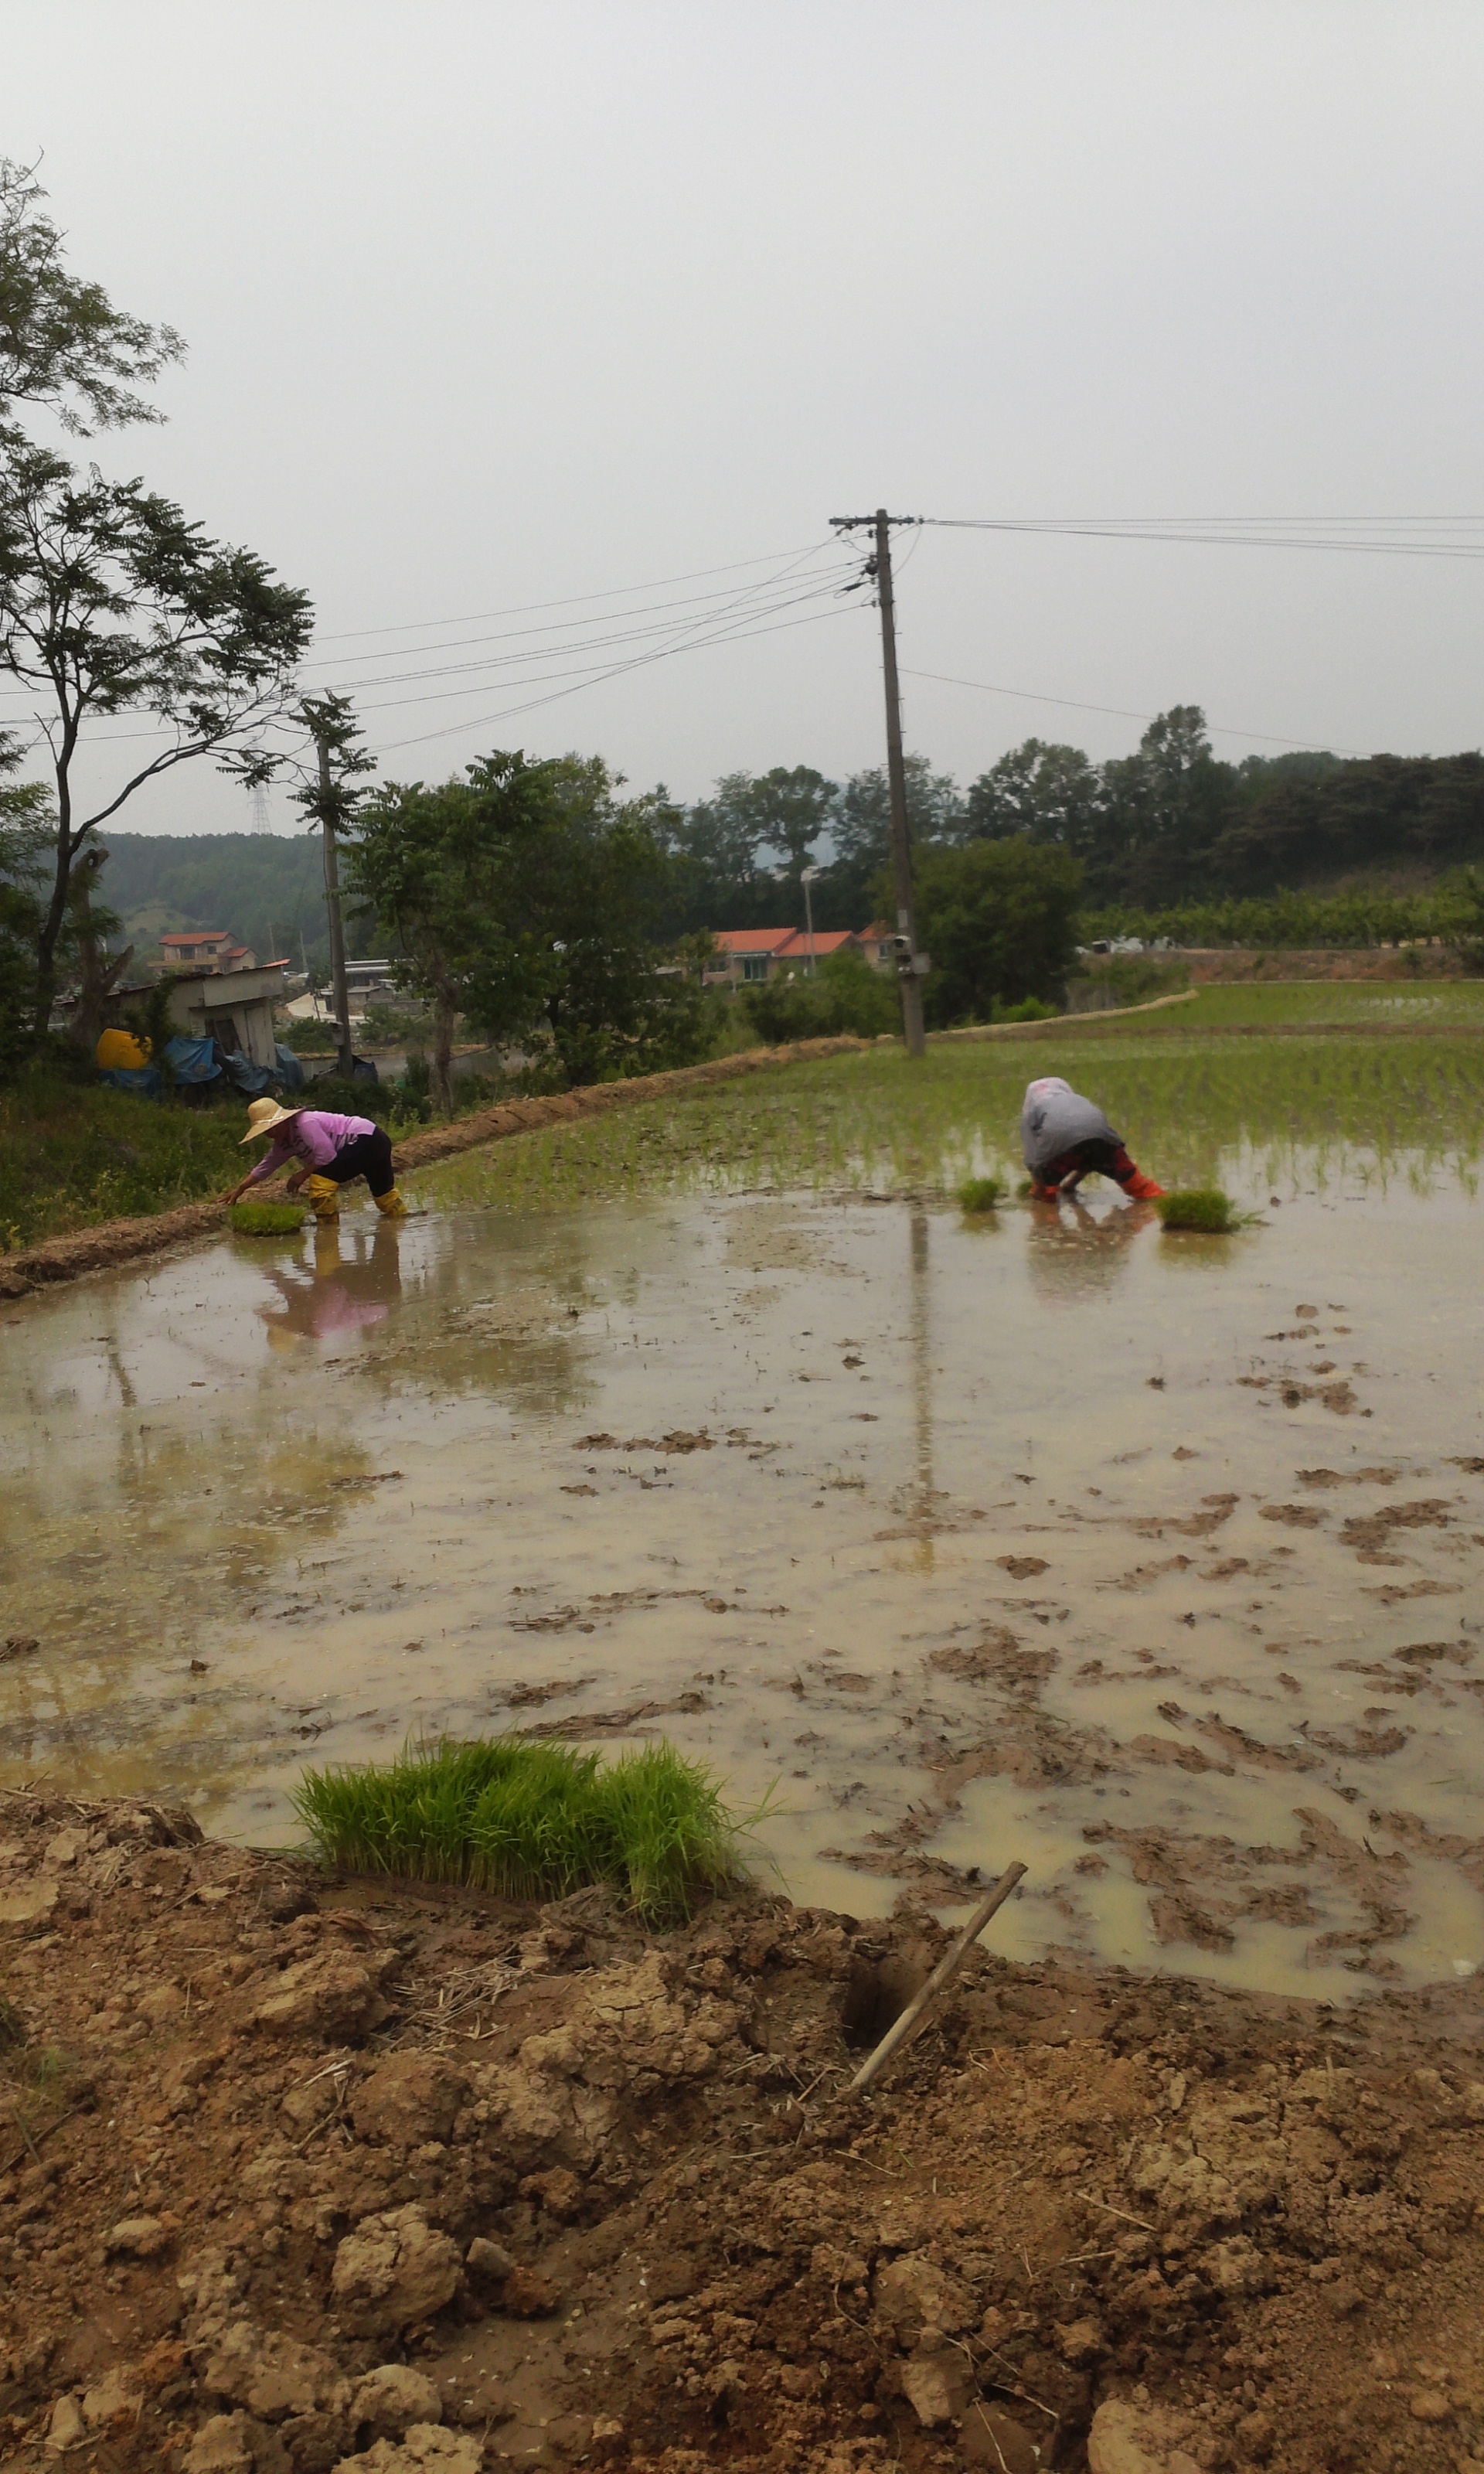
(309, 2174)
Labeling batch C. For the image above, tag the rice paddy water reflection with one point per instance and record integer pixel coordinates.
(1149, 1560)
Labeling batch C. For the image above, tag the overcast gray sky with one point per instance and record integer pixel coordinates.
(491, 305)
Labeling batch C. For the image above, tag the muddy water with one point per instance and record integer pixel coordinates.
(1152, 1561)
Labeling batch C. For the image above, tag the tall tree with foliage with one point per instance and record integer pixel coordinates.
(785, 811)
(998, 918)
(862, 836)
(63, 347)
(25, 843)
(533, 900)
(1051, 793)
(112, 601)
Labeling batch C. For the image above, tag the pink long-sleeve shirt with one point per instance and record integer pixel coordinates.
(313, 1138)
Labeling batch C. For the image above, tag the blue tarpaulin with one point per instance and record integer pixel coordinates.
(143, 1078)
(244, 1075)
(194, 1061)
(291, 1072)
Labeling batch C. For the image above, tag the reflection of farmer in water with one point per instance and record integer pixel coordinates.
(330, 1152)
(1074, 1256)
(1066, 1138)
(338, 1296)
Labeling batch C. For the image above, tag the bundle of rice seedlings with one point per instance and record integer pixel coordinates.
(1201, 1207)
(528, 1821)
(980, 1193)
(265, 1219)
(669, 1830)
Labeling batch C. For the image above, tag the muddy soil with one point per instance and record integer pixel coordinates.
(1158, 1568)
(307, 2175)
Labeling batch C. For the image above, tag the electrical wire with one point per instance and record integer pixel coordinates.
(1076, 704)
(612, 593)
(619, 671)
(675, 630)
(1379, 536)
(557, 626)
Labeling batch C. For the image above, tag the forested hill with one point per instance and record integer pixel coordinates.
(1170, 824)
(267, 889)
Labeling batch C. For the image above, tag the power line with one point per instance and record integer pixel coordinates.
(1374, 536)
(619, 671)
(557, 626)
(759, 603)
(1077, 704)
(614, 593)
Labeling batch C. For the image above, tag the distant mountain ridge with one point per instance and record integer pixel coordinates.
(267, 889)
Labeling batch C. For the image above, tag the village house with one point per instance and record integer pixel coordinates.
(745, 957)
(204, 949)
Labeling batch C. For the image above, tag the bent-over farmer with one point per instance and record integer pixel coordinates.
(1064, 1137)
(330, 1152)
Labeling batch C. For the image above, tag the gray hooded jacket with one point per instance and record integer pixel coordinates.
(1055, 1118)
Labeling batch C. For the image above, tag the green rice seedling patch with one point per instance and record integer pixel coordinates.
(1202, 1208)
(265, 1219)
(1193, 1111)
(530, 1821)
(980, 1193)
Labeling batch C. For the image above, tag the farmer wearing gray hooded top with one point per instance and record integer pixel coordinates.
(1064, 1137)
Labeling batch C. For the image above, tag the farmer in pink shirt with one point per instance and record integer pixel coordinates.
(330, 1152)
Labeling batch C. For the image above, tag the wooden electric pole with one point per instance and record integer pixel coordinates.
(911, 965)
(345, 1060)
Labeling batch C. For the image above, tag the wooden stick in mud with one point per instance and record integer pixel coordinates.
(943, 1975)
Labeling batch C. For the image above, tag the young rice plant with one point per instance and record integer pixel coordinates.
(530, 1821)
(980, 1193)
(265, 1219)
(1203, 1208)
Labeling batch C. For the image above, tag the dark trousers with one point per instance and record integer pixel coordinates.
(370, 1155)
(1106, 1159)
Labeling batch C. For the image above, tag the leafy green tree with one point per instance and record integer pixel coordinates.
(847, 896)
(716, 881)
(25, 840)
(532, 900)
(1048, 792)
(997, 918)
(63, 347)
(785, 811)
(1164, 808)
(111, 601)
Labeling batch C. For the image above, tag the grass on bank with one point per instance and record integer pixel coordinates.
(530, 1821)
(265, 1219)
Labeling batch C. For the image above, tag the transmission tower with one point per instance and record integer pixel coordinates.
(258, 796)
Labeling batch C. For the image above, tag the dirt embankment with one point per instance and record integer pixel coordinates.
(127, 1241)
(307, 2175)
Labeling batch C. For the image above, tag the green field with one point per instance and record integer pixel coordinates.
(1328, 1082)
(1187, 1105)
(1372, 1004)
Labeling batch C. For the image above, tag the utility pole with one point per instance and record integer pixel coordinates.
(911, 965)
(345, 1061)
(806, 877)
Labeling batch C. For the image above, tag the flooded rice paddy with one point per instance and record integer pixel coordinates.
(1154, 1562)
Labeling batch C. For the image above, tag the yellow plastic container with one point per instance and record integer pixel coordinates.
(119, 1050)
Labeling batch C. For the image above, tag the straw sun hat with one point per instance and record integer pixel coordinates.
(264, 1116)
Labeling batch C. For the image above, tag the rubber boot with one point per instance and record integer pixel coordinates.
(391, 1205)
(324, 1198)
